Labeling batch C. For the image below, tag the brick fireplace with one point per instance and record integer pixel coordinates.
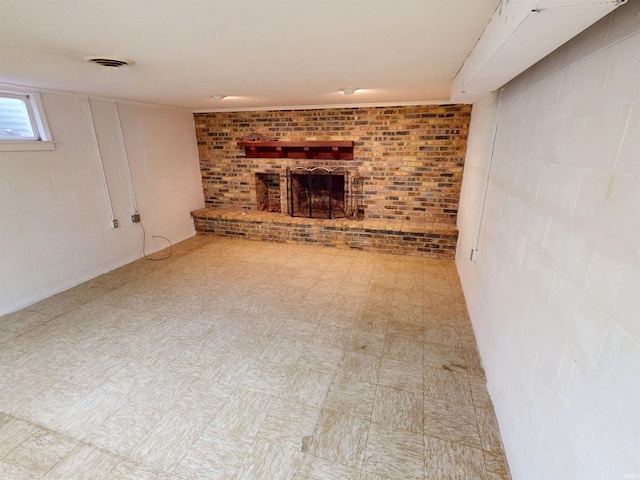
(410, 159)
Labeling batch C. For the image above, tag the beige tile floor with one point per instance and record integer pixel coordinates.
(246, 360)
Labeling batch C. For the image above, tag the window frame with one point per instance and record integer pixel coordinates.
(42, 135)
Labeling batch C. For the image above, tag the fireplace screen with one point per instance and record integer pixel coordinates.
(317, 192)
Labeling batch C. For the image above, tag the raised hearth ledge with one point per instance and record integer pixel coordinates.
(341, 223)
(385, 236)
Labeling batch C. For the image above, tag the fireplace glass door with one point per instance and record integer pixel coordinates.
(317, 192)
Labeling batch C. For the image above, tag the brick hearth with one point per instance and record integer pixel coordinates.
(387, 236)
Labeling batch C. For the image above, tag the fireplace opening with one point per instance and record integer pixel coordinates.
(268, 192)
(317, 192)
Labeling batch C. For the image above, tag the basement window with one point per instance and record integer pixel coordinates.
(22, 123)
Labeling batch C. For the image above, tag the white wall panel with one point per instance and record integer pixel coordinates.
(55, 227)
(554, 295)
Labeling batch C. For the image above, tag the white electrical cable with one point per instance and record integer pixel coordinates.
(126, 160)
(132, 191)
(486, 181)
(114, 222)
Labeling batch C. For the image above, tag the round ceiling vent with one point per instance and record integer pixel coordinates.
(110, 62)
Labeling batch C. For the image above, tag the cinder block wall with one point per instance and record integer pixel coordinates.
(56, 225)
(411, 157)
(554, 296)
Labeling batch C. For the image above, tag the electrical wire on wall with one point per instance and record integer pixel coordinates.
(126, 160)
(144, 241)
(135, 218)
(474, 250)
(114, 222)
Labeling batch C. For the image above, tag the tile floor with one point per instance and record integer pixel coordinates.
(247, 360)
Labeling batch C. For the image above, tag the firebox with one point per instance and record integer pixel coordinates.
(268, 192)
(317, 192)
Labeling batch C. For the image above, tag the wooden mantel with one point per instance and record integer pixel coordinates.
(331, 149)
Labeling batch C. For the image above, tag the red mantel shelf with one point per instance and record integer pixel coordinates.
(339, 150)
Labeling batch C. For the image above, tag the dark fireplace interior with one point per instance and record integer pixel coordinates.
(268, 192)
(317, 192)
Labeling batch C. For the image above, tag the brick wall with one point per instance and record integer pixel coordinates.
(411, 157)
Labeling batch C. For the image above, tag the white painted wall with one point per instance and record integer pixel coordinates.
(55, 228)
(554, 296)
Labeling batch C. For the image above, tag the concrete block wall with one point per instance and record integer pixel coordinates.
(554, 296)
(410, 157)
(55, 227)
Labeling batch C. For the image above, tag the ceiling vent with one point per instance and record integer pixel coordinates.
(109, 62)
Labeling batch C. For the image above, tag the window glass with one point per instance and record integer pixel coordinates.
(16, 120)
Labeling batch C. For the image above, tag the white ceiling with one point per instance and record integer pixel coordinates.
(275, 53)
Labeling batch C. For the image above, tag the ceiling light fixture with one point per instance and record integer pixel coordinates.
(349, 90)
(217, 98)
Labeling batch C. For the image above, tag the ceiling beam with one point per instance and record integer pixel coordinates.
(519, 34)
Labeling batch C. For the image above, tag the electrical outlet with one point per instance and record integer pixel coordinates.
(135, 218)
(115, 223)
(474, 255)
